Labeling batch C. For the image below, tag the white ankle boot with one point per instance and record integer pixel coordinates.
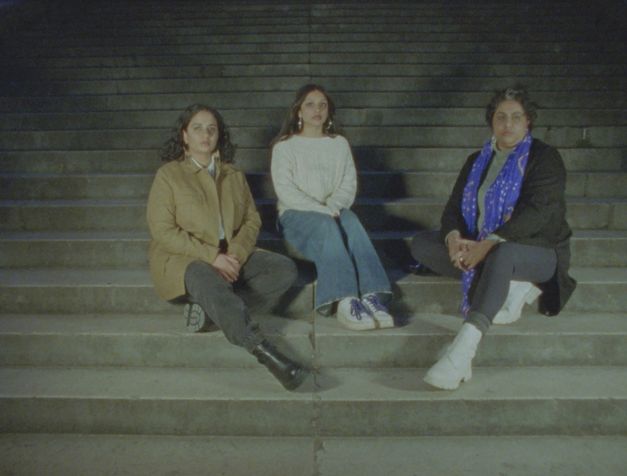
(520, 292)
(455, 365)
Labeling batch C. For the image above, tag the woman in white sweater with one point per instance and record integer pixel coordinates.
(315, 181)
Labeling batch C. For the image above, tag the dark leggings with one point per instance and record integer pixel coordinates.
(506, 261)
(262, 281)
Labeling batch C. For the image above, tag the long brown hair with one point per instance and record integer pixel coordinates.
(174, 148)
(290, 125)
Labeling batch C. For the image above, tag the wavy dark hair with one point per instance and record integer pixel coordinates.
(174, 148)
(290, 125)
(517, 93)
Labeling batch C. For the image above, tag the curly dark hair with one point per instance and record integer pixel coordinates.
(517, 93)
(290, 125)
(174, 148)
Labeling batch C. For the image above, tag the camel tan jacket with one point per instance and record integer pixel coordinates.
(184, 209)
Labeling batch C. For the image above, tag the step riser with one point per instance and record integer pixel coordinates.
(360, 136)
(171, 86)
(346, 117)
(293, 418)
(257, 159)
(321, 72)
(319, 58)
(389, 185)
(380, 350)
(433, 297)
(300, 45)
(436, 41)
(115, 299)
(388, 216)
(74, 104)
(445, 297)
(125, 254)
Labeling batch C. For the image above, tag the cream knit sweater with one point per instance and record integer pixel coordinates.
(314, 174)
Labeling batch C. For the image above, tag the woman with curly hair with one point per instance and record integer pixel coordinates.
(204, 226)
(503, 232)
(315, 181)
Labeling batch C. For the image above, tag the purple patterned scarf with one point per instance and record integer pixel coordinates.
(500, 199)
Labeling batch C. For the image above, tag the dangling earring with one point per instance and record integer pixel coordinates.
(329, 126)
(300, 123)
(216, 155)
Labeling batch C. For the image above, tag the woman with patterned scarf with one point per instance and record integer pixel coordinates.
(503, 232)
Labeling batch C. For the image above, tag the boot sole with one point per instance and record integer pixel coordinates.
(195, 318)
(384, 323)
(297, 381)
(353, 326)
(444, 384)
(529, 298)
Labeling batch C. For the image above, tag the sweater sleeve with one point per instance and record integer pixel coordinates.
(344, 195)
(161, 216)
(287, 190)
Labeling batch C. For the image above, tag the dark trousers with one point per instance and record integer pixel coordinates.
(262, 281)
(506, 261)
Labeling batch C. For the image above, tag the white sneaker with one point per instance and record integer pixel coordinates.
(520, 292)
(352, 314)
(455, 366)
(378, 311)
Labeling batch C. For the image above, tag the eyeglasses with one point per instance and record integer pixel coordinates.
(516, 119)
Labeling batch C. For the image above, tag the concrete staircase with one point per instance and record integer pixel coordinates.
(98, 377)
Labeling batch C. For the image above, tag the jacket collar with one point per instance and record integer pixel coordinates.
(190, 167)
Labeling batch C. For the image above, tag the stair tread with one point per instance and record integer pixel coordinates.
(418, 324)
(346, 384)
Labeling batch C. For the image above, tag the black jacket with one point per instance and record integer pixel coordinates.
(539, 218)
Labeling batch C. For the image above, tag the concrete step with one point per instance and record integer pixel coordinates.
(238, 23)
(98, 26)
(303, 45)
(41, 87)
(80, 291)
(231, 100)
(130, 340)
(599, 290)
(392, 184)
(401, 116)
(72, 290)
(350, 11)
(393, 136)
(343, 402)
(151, 455)
(376, 214)
(141, 455)
(535, 40)
(125, 41)
(123, 250)
(317, 72)
(251, 159)
(326, 57)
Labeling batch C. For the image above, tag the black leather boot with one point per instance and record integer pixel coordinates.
(289, 373)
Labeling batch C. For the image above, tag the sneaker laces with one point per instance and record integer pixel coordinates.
(374, 303)
(358, 309)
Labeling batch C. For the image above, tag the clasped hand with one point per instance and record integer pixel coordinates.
(466, 254)
(228, 266)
